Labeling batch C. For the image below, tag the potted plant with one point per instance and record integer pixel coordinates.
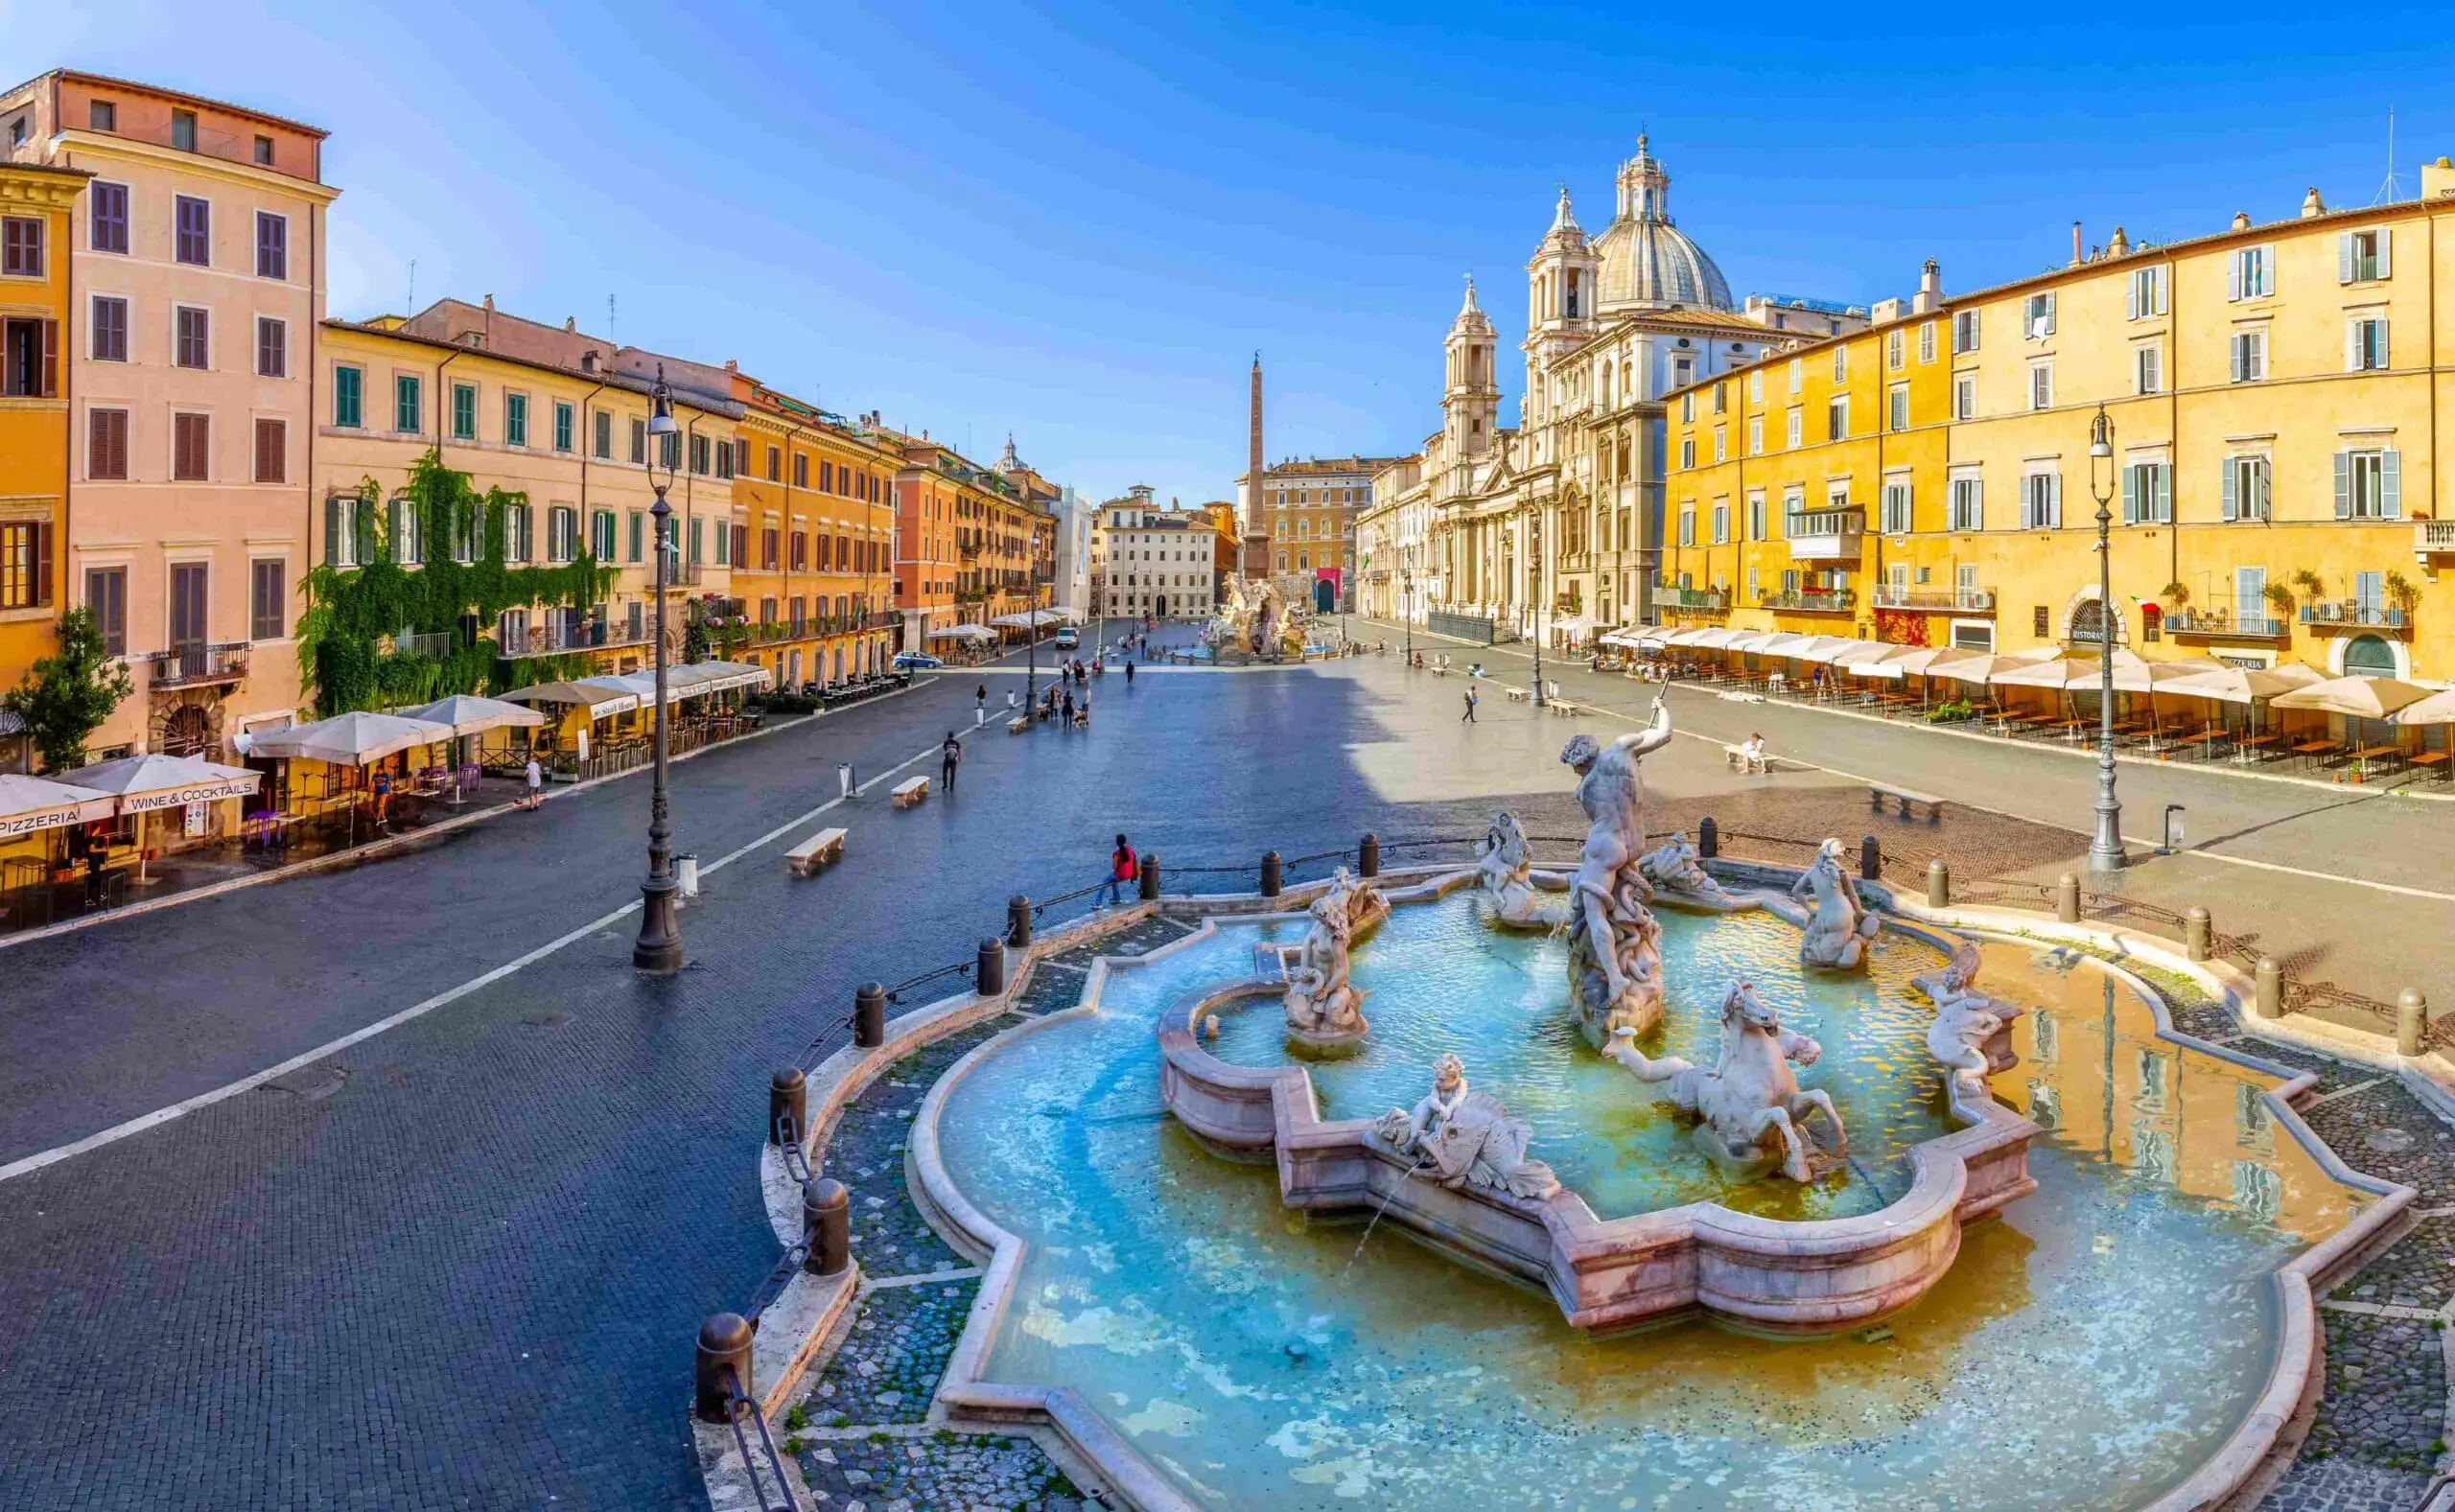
(2281, 599)
(2402, 594)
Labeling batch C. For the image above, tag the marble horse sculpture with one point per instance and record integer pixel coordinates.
(1466, 1139)
(1506, 877)
(1751, 1097)
(1839, 929)
(1615, 964)
(1323, 1010)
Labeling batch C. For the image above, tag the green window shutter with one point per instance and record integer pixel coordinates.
(332, 531)
(2344, 485)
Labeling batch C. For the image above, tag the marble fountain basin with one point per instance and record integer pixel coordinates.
(2092, 1347)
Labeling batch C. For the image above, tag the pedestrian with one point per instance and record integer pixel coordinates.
(1470, 706)
(536, 777)
(950, 757)
(1121, 871)
(980, 696)
(1069, 705)
(1129, 672)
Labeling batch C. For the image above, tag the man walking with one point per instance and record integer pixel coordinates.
(980, 697)
(536, 777)
(1129, 672)
(1122, 868)
(1470, 706)
(950, 757)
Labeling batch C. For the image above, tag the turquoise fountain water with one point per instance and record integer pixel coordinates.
(2087, 1351)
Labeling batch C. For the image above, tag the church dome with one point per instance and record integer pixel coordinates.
(1647, 261)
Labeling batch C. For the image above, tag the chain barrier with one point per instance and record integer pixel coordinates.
(741, 1406)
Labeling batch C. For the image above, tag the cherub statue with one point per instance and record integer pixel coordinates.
(1675, 867)
(1467, 1138)
(1321, 1006)
(1841, 928)
(1505, 876)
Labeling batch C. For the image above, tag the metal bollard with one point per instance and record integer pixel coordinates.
(1019, 921)
(2195, 930)
(1367, 856)
(2412, 1020)
(2067, 898)
(1271, 879)
(2267, 1000)
(787, 1105)
(989, 968)
(724, 1360)
(826, 1223)
(1709, 839)
(1150, 878)
(1939, 884)
(869, 1016)
(1870, 859)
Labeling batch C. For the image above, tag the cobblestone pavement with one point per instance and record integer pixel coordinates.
(943, 1472)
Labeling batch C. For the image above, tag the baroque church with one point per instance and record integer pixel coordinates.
(1564, 511)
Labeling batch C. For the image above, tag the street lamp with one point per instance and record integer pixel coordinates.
(659, 947)
(1407, 608)
(1534, 566)
(2105, 849)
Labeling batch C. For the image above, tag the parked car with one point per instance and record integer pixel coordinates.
(1068, 639)
(915, 661)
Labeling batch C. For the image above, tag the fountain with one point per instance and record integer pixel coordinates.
(2013, 1259)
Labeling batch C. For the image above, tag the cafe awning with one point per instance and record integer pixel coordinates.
(2244, 684)
(963, 632)
(717, 677)
(599, 702)
(30, 803)
(468, 715)
(640, 686)
(2355, 697)
(352, 739)
(147, 782)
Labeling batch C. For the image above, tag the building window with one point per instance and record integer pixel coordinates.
(408, 409)
(101, 115)
(699, 455)
(801, 470)
(26, 549)
(2246, 487)
(639, 442)
(2148, 370)
(1755, 437)
(600, 534)
(264, 151)
(192, 346)
(272, 450)
(1964, 396)
(268, 609)
(1687, 461)
(272, 347)
(1893, 346)
(1927, 341)
(21, 247)
(1897, 407)
(464, 412)
(2250, 356)
(1798, 374)
(1687, 407)
(1837, 418)
(349, 398)
(1964, 331)
(2369, 485)
(2037, 316)
(1892, 516)
(1688, 524)
(1721, 443)
(273, 245)
(638, 535)
(563, 416)
(190, 448)
(2249, 273)
(2146, 294)
(2362, 256)
(2042, 501)
(2148, 493)
(192, 243)
(106, 212)
(1756, 517)
(1683, 371)
(2041, 386)
(106, 445)
(515, 419)
(107, 596)
(724, 459)
(1840, 364)
(1796, 421)
(1756, 385)
(408, 543)
(2365, 343)
(519, 534)
(109, 327)
(668, 452)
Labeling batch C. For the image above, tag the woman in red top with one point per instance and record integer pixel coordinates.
(1121, 871)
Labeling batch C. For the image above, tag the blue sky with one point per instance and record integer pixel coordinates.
(1077, 222)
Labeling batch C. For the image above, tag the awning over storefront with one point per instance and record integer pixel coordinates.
(599, 702)
(468, 715)
(30, 803)
(147, 782)
(352, 739)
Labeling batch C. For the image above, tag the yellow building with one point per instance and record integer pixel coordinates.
(815, 518)
(1001, 544)
(2275, 408)
(36, 205)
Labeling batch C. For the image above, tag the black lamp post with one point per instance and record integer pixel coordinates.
(659, 947)
(1407, 608)
(1534, 566)
(2105, 849)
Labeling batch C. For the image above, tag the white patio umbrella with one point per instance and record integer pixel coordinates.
(639, 685)
(718, 677)
(2438, 709)
(2240, 684)
(2355, 697)
(469, 714)
(1983, 666)
(144, 784)
(352, 739)
(599, 702)
(29, 803)
(1837, 650)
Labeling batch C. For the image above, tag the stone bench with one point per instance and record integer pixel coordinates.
(1737, 758)
(1562, 706)
(820, 849)
(1018, 725)
(910, 791)
(1907, 798)
(1517, 694)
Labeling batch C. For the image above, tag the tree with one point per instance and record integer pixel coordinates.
(67, 695)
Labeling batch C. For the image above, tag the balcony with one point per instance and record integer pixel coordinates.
(562, 638)
(2221, 624)
(437, 645)
(1694, 600)
(199, 665)
(1810, 600)
(1935, 600)
(2433, 538)
(2357, 614)
(1826, 535)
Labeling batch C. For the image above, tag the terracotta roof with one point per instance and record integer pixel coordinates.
(109, 82)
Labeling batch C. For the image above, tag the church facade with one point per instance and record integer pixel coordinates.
(1555, 525)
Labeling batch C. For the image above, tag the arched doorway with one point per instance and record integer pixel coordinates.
(2369, 656)
(2088, 623)
(1160, 606)
(1325, 596)
(188, 731)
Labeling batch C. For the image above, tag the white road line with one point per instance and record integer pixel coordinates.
(28, 1164)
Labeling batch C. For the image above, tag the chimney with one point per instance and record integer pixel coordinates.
(2120, 246)
(2312, 205)
(490, 302)
(1930, 288)
(2075, 244)
(731, 365)
(570, 325)
(2438, 179)
(2241, 220)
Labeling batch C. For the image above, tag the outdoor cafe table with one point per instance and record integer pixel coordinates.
(2376, 753)
(2433, 758)
(2316, 750)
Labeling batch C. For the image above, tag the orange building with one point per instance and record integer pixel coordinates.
(36, 204)
(813, 522)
